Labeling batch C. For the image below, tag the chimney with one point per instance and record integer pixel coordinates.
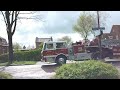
(36, 39)
(51, 39)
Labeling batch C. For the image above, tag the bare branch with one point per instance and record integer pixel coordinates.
(24, 18)
(4, 18)
(36, 17)
(16, 15)
(14, 28)
(33, 18)
(12, 17)
(7, 15)
(32, 12)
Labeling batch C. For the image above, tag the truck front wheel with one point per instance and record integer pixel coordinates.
(96, 56)
(61, 59)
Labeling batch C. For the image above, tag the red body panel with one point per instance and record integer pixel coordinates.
(78, 49)
(48, 52)
(116, 50)
(55, 52)
(64, 51)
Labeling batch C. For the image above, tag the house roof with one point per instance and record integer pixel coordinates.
(106, 33)
(42, 39)
(4, 42)
(2, 37)
(110, 42)
(115, 28)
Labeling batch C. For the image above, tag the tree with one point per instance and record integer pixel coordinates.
(41, 45)
(10, 19)
(17, 46)
(103, 16)
(88, 20)
(84, 24)
(67, 39)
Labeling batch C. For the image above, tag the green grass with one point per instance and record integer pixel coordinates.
(19, 63)
(3, 64)
(4, 75)
(25, 62)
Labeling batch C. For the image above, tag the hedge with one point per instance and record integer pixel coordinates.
(4, 75)
(87, 70)
(32, 55)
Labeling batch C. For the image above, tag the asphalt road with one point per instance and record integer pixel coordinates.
(41, 70)
(38, 71)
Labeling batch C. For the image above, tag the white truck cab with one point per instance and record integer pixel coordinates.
(55, 52)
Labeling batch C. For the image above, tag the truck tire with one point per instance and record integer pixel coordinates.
(61, 59)
(111, 55)
(95, 56)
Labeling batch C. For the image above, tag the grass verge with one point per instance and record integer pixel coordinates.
(19, 63)
(4, 75)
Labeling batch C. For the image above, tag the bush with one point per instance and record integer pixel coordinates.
(4, 75)
(87, 70)
(4, 58)
(32, 55)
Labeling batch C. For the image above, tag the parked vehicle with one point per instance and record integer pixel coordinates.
(58, 52)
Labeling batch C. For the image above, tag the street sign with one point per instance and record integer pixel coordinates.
(95, 28)
(101, 28)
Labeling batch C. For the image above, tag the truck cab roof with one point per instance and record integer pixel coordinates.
(56, 42)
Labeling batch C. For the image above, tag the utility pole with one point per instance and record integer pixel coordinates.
(101, 32)
(99, 36)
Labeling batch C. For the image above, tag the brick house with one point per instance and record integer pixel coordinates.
(38, 41)
(3, 46)
(114, 34)
(112, 38)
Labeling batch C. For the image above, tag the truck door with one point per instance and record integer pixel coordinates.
(49, 52)
(80, 53)
(61, 48)
(116, 51)
(49, 49)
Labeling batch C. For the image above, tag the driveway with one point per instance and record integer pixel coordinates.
(39, 71)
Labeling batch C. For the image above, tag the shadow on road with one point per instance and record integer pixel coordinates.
(2, 68)
(114, 63)
(50, 68)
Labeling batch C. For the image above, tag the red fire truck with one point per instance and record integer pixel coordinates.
(58, 52)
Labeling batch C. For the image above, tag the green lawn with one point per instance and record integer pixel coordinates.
(19, 63)
(4, 75)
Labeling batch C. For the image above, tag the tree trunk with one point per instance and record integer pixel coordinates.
(10, 48)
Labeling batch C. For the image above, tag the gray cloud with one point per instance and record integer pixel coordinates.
(57, 24)
(60, 22)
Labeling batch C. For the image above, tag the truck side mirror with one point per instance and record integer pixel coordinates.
(88, 51)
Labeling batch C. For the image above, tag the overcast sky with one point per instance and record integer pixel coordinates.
(56, 24)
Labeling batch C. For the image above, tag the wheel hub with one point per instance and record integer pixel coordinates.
(61, 60)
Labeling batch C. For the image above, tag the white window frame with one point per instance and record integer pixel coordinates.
(110, 37)
(50, 49)
(60, 42)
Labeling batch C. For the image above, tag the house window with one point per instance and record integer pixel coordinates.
(110, 37)
(113, 30)
(0, 41)
(117, 37)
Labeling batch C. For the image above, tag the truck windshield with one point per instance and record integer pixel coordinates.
(49, 46)
(60, 45)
